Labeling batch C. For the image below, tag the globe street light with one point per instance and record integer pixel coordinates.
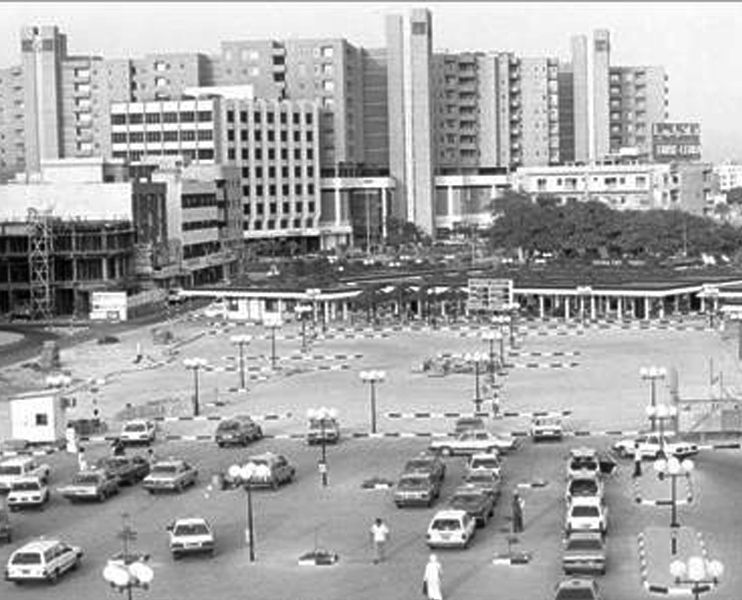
(195, 364)
(322, 415)
(659, 414)
(245, 475)
(700, 573)
(372, 378)
(302, 310)
(652, 374)
(673, 468)
(476, 358)
(128, 570)
(241, 341)
(273, 323)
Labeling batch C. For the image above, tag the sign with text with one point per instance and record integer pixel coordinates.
(490, 295)
(676, 142)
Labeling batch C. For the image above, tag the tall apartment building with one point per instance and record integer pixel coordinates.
(329, 71)
(601, 60)
(375, 110)
(410, 102)
(12, 130)
(580, 117)
(638, 99)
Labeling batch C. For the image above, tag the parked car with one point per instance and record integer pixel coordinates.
(128, 470)
(240, 430)
(651, 446)
(173, 474)
(276, 470)
(584, 552)
(472, 442)
(6, 529)
(485, 461)
(547, 427)
(91, 485)
(476, 502)
(450, 528)
(577, 588)
(585, 484)
(20, 467)
(487, 481)
(191, 536)
(174, 296)
(582, 460)
(28, 491)
(319, 429)
(138, 431)
(416, 489)
(464, 424)
(42, 560)
(586, 513)
(427, 463)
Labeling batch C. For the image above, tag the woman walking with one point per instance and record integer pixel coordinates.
(432, 579)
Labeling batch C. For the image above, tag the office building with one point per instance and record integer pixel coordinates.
(600, 125)
(12, 130)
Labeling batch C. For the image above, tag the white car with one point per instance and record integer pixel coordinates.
(472, 442)
(191, 536)
(42, 560)
(586, 513)
(547, 427)
(451, 529)
(650, 446)
(138, 431)
(485, 462)
(19, 468)
(27, 491)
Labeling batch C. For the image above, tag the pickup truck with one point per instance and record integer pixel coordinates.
(651, 445)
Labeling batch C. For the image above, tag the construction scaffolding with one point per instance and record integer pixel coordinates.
(40, 261)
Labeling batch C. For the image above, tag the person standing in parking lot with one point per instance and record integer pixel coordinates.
(637, 461)
(432, 579)
(518, 505)
(379, 537)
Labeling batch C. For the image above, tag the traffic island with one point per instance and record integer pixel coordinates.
(655, 556)
(318, 558)
(512, 557)
(650, 490)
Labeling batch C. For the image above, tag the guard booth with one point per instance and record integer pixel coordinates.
(39, 417)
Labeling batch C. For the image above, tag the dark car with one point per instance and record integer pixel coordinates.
(476, 502)
(237, 431)
(487, 481)
(127, 469)
(584, 552)
(464, 424)
(416, 489)
(427, 463)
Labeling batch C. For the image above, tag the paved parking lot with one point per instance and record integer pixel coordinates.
(603, 392)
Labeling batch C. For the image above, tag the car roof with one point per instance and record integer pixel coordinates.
(170, 461)
(449, 514)
(584, 535)
(27, 478)
(469, 488)
(38, 546)
(191, 521)
(487, 455)
(583, 451)
(577, 582)
(586, 501)
(264, 456)
(17, 460)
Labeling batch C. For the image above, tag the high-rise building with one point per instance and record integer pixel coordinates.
(12, 130)
(375, 110)
(600, 128)
(410, 98)
(580, 106)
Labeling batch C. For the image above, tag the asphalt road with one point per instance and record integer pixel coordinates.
(303, 514)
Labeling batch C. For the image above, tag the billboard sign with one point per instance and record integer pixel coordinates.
(676, 142)
(108, 306)
(490, 295)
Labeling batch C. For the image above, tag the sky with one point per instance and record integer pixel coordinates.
(698, 43)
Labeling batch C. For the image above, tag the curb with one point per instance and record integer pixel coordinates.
(664, 502)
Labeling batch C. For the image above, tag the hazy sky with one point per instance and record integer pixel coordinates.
(698, 43)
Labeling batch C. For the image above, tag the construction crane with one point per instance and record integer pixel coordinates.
(40, 262)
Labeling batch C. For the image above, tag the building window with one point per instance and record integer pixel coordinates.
(272, 172)
(257, 134)
(187, 117)
(272, 208)
(118, 138)
(271, 154)
(230, 135)
(153, 136)
(285, 173)
(298, 207)
(308, 118)
(135, 119)
(284, 154)
(270, 118)
(297, 172)
(310, 154)
(152, 118)
(245, 154)
(243, 116)
(284, 118)
(259, 192)
(295, 118)
(205, 134)
(297, 190)
(170, 117)
(272, 190)
(326, 51)
(271, 135)
(243, 135)
(118, 119)
(310, 172)
(136, 136)
(230, 154)
(259, 172)
(258, 154)
(285, 192)
(310, 136)
(297, 223)
(41, 419)
(297, 153)
(285, 207)
(230, 116)
(310, 190)
(310, 207)
(245, 172)
(284, 136)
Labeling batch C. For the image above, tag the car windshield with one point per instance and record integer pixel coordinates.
(320, 423)
(579, 464)
(467, 500)
(591, 544)
(483, 477)
(419, 464)
(407, 483)
(135, 427)
(469, 424)
(485, 463)
(86, 479)
(26, 486)
(164, 469)
(585, 511)
(581, 487)
(26, 558)
(575, 594)
(228, 426)
(10, 470)
(446, 525)
(191, 529)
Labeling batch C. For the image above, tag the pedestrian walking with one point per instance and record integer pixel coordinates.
(637, 461)
(379, 537)
(432, 579)
(518, 507)
(82, 463)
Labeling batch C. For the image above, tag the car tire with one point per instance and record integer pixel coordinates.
(176, 555)
(54, 576)
(220, 444)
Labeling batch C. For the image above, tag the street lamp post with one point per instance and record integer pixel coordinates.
(736, 317)
(673, 468)
(273, 324)
(700, 573)
(652, 374)
(476, 358)
(195, 364)
(313, 294)
(241, 341)
(244, 475)
(372, 378)
(512, 309)
(128, 570)
(322, 415)
(489, 336)
(302, 310)
(659, 414)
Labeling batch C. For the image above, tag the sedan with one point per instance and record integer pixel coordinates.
(91, 485)
(478, 504)
(584, 552)
(27, 491)
(486, 481)
(472, 442)
(127, 469)
(577, 588)
(175, 475)
(415, 489)
(191, 536)
(427, 463)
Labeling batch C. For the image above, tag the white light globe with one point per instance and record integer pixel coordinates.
(696, 568)
(117, 575)
(677, 569)
(142, 572)
(687, 465)
(234, 471)
(715, 568)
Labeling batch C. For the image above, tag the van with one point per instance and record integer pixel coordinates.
(42, 560)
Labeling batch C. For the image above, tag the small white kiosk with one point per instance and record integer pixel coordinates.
(38, 417)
